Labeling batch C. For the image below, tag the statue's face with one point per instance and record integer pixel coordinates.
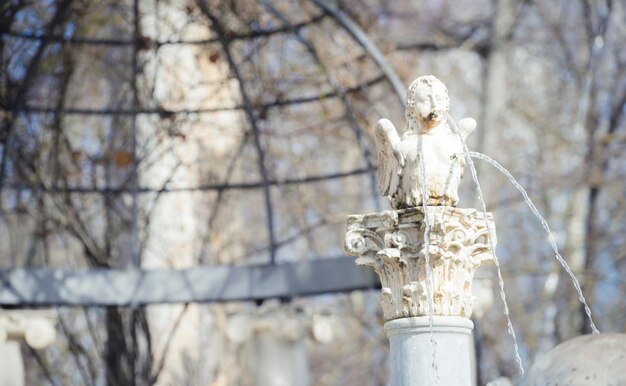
(431, 102)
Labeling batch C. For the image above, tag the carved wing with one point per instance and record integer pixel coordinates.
(390, 163)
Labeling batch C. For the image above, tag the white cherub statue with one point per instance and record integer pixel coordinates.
(399, 162)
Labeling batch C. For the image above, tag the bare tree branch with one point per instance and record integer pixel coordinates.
(18, 98)
(364, 41)
(351, 116)
(249, 110)
(166, 348)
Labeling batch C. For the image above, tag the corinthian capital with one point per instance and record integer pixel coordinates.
(393, 243)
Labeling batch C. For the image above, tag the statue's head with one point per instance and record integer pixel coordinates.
(427, 101)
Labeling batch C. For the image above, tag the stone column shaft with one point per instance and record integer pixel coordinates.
(411, 351)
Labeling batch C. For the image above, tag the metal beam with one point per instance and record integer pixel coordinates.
(204, 284)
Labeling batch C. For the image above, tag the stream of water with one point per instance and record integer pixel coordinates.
(545, 225)
(429, 282)
(468, 156)
(470, 162)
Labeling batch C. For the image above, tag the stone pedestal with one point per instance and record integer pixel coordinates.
(424, 275)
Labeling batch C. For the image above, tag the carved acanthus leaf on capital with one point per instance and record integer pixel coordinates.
(392, 243)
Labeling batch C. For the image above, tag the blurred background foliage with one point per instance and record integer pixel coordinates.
(174, 133)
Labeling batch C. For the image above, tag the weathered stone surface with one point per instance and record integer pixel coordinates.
(403, 175)
(598, 359)
(392, 243)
